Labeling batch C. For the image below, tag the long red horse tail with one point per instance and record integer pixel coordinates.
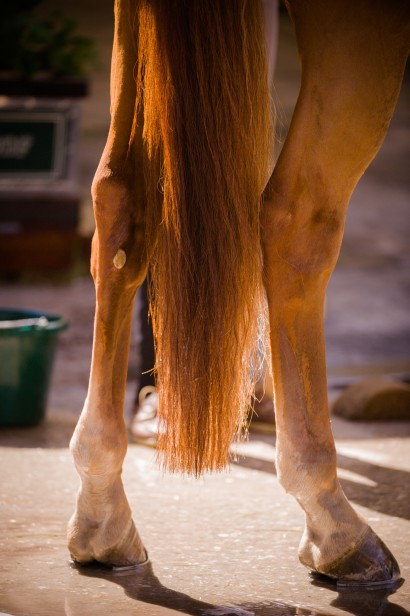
(202, 82)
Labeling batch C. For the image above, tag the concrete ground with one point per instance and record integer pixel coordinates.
(229, 541)
(223, 541)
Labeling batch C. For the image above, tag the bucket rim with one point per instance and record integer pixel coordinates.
(30, 321)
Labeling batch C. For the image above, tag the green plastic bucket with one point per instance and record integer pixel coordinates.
(27, 346)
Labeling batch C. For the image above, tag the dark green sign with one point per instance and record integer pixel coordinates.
(32, 144)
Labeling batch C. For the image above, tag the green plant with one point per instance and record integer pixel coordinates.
(31, 45)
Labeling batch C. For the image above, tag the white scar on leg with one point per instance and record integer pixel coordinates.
(120, 259)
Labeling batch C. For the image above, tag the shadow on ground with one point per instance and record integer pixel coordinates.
(143, 585)
(385, 491)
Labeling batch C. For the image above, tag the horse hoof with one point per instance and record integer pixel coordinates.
(369, 563)
(99, 545)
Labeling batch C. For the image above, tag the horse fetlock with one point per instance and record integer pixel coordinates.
(98, 456)
(365, 559)
(307, 471)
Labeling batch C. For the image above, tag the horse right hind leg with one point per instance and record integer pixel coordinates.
(101, 527)
(349, 88)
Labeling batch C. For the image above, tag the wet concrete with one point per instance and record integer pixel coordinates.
(227, 543)
(223, 541)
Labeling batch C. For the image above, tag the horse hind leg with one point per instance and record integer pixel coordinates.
(102, 528)
(350, 84)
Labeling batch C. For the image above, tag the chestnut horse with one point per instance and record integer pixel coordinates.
(185, 186)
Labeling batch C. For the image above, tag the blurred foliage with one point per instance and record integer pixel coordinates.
(30, 45)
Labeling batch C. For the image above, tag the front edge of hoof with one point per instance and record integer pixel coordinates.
(369, 563)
